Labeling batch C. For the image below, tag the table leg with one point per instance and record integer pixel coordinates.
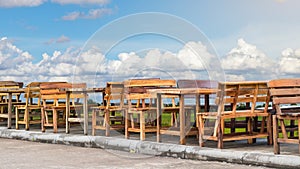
(182, 119)
(67, 113)
(158, 117)
(85, 115)
(9, 110)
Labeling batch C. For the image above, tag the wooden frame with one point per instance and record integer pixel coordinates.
(142, 105)
(285, 92)
(234, 93)
(104, 117)
(10, 92)
(56, 109)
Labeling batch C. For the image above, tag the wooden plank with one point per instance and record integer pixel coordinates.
(284, 83)
(285, 91)
(149, 82)
(286, 100)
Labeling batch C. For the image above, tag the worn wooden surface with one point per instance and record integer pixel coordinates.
(234, 94)
(141, 112)
(285, 92)
(110, 115)
(55, 114)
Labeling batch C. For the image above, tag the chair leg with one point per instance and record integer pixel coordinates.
(17, 118)
(298, 134)
(201, 130)
(275, 135)
(26, 119)
(126, 124)
(43, 111)
(55, 120)
(107, 120)
(220, 133)
(94, 121)
(269, 130)
(142, 126)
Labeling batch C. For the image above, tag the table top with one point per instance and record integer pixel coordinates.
(183, 91)
(87, 90)
(12, 90)
(244, 82)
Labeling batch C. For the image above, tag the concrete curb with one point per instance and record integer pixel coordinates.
(157, 149)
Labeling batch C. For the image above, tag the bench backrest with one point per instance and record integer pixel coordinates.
(4, 85)
(284, 92)
(197, 84)
(247, 94)
(56, 91)
(114, 92)
(136, 89)
(32, 91)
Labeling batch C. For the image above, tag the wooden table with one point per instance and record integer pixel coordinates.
(10, 92)
(85, 104)
(180, 92)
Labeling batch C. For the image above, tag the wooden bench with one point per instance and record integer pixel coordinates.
(110, 115)
(285, 94)
(140, 115)
(55, 114)
(234, 94)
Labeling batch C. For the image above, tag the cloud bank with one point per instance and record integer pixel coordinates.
(244, 62)
(20, 3)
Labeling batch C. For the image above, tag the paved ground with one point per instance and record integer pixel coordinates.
(33, 155)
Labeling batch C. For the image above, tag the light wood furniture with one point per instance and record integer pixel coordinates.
(10, 92)
(140, 116)
(234, 94)
(285, 94)
(29, 113)
(110, 115)
(55, 103)
(185, 128)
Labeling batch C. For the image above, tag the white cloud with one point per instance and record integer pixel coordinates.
(245, 62)
(92, 14)
(248, 61)
(20, 3)
(290, 62)
(72, 16)
(61, 39)
(94, 2)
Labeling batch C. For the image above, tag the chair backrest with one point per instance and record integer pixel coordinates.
(6, 85)
(285, 92)
(136, 89)
(114, 93)
(140, 86)
(244, 96)
(197, 83)
(57, 91)
(32, 91)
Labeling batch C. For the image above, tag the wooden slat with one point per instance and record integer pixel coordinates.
(284, 83)
(286, 100)
(285, 91)
(149, 82)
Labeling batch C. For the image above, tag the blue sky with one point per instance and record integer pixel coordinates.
(262, 31)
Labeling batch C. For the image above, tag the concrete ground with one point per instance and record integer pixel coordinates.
(33, 155)
(132, 153)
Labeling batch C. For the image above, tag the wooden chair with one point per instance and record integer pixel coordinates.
(30, 113)
(234, 94)
(54, 106)
(285, 94)
(140, 115)
(4, 97)
(110, 115)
